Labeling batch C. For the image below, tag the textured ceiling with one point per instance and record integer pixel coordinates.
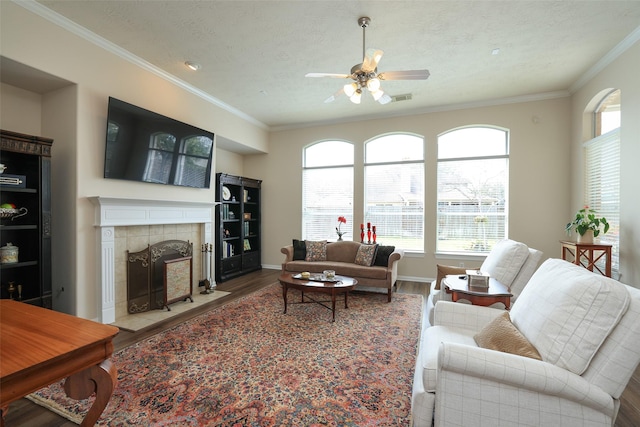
(255, 54)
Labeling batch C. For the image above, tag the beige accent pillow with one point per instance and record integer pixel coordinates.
(444, 270)
(501, 335)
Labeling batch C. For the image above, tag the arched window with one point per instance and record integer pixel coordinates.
(394, 189)
(327, 190)
(602, 170)
(473, 178)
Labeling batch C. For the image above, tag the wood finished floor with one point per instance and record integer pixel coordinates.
(24, 413)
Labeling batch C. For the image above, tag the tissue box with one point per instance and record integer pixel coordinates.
(478, 279)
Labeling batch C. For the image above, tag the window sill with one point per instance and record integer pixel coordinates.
(461, 256)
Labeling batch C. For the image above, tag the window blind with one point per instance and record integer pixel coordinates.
(602, 187)
(473, 177)
(394, 190)
(327, 193)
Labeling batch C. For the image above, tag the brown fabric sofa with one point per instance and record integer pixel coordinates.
(341, 258)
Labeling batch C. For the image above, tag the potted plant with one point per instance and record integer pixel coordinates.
(587, 225)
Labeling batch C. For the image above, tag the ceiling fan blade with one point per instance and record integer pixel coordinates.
(404, 75)
(371, 60)
(337, 76)
(334, 96)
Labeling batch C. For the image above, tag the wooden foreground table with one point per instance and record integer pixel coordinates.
(39, 347)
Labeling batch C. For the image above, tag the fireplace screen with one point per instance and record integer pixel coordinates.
(147, 284)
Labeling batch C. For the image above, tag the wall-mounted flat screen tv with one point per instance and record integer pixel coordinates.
(148, 147)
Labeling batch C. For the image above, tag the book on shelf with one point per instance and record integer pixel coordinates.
(228, 250)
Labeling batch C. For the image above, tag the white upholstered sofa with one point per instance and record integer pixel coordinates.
(585, 328)
(511, 263)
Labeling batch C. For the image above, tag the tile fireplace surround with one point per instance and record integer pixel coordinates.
(116, 212)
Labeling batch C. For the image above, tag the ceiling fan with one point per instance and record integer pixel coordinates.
(365, 75)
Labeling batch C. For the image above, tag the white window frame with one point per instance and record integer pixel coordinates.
(602, 177)
(327, 193)
(399, 216)
(479, 241)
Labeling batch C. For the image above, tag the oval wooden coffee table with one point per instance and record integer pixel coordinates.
(339, 285)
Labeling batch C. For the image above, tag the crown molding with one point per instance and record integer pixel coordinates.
(435, 109)
(80, 31)
(606, 60)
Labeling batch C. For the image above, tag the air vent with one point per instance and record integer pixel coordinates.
(405, 97)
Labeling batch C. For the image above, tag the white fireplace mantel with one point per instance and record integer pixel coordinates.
(117, 212)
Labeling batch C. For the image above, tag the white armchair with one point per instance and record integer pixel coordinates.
(586, 328)
(511, 263)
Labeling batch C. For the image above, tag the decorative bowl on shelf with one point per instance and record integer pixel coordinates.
(12, 213)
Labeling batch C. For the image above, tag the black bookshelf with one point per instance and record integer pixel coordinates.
(238, 229)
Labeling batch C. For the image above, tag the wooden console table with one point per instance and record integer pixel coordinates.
(587, 255)
(39, 347)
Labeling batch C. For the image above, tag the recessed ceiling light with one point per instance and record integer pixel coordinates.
(193, 65)
(495, 51)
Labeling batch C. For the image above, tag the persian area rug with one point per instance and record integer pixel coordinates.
(248, 364)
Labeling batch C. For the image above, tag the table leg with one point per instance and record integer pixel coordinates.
(333, 305)
(284, 296)
(100, 379)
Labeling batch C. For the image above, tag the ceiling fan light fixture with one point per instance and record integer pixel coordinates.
(373, 84)
(365, 74)
(356, 97)
(350, 89)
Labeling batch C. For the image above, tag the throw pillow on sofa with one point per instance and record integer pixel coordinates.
(382, 255)
(299, 250)
(445, 270)
(316, 251)
(501, 335)
(366, 254)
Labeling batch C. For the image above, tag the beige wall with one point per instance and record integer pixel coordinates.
(539, 177)
(20, 109)
(228, 162)
(621, 74)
